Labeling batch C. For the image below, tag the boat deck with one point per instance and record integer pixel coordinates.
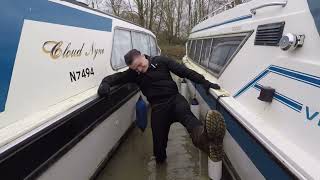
(134, 158)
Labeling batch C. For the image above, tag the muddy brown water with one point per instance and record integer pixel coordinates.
(134, 159)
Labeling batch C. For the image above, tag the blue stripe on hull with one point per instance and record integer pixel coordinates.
(12, 15)
(264, 161)
(296, 75)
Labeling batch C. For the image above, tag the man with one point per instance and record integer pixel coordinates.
(152, 75)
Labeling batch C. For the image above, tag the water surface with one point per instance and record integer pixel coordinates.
(134, 159)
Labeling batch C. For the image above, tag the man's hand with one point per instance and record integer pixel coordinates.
(214, 86)
(210, 85)
(104, 89)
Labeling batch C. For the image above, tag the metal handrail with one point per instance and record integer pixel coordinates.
(224, 7)
(254, 10)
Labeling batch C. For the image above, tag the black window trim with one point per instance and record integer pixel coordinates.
(247, 35)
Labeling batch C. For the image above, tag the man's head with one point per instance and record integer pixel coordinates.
(136, 61)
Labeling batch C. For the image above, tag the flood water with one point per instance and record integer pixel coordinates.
(134, 159)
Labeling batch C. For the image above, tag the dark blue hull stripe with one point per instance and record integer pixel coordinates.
(12, 15)
(268, 165)
(296, 75)
(225, 22)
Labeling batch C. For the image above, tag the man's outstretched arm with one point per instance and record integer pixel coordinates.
(115, 79)
(184, 72)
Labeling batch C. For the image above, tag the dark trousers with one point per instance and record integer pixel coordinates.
(164, 113)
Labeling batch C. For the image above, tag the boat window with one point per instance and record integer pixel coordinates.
(153, 46)
(192, 48)
(140, 41)
(188, 47)
(198, 51)
(221, 52)
(121, 45)
(125, 39)
(205, 52)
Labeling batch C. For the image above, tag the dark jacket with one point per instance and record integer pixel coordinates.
(157, 84)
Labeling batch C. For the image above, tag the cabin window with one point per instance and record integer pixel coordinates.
(125, 40)
(188, 47)
(222, 50)
(205, 52)
(192, 48)
(153, 47)
(121, 45)
(140, 41)
(198, 51)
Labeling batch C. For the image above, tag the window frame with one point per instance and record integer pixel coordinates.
(218, 46)
(200, 53)
(147, 39)
(189, 42)
(247, 35)
(155, 41)
(206, 51)
(194, 41)
(196, 48)
(130, 30)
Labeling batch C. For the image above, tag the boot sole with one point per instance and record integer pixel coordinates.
(216, 129)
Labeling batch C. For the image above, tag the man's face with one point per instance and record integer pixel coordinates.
(139, 64)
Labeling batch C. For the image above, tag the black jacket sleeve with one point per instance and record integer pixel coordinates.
(115, 79)
(120, 78)
(184, 72)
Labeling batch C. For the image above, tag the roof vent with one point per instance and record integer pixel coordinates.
(269, 34)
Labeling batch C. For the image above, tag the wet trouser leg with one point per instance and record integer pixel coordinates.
(182, 113)
(160, 125)
(194, 126)
(209, 138)
(176, 109)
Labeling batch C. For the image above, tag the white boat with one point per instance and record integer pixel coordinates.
(265, 55)
(53, 56)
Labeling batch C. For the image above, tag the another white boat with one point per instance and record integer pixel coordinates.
(265, 55)
(53, 56)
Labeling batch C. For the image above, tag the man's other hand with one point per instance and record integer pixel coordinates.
(104, 89)
(214, 86)
(209, 85)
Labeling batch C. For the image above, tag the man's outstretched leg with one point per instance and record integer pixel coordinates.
(207, 137)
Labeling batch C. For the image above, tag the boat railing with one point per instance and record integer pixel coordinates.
(230, 4)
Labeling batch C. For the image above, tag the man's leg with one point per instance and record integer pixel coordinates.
(184, 115)
(208, 137)
(160, 125)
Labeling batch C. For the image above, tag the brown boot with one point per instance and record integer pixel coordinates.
(216, 129)
(200, 138)
(209, 138)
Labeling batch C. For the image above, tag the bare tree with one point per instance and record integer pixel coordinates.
(115, 5)
(189, 15)
(170, 20)
(151, 15)
(140, 7)
(238, 2)
(160, 16)
(179, 5)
